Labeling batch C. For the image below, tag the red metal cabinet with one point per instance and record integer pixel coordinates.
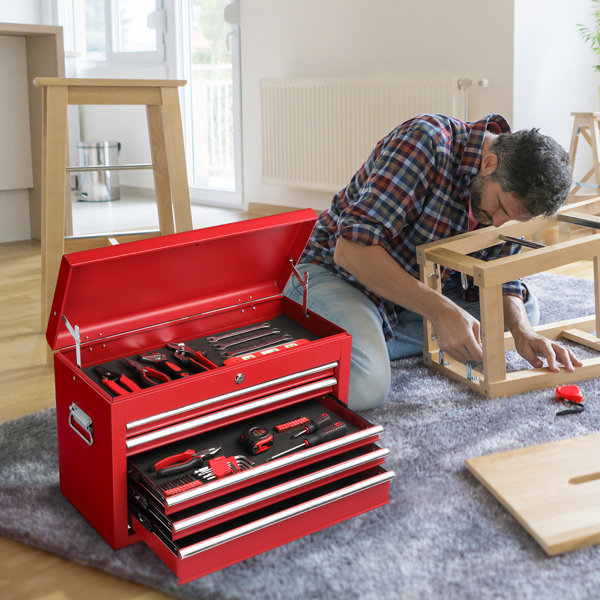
(118, 302)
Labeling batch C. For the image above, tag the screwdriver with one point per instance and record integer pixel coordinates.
(328, 433)
(314, 424)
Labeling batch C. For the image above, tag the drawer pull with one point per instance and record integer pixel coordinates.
(285, 514)
(84, 422)
(236, 410)
(240, 392)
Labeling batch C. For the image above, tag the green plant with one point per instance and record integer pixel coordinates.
(592, 36)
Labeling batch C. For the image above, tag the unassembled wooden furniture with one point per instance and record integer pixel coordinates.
(161, 99)
(552, 490)
(489, 276)
(586, 125)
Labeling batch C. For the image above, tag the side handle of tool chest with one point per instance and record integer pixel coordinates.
(84, 422)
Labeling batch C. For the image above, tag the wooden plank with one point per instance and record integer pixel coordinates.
(162, 183)
(114, 95)
(492, 333)
(453, 260)
(534, 261)
(597, 291)
(430, 280)
(175, 147)
(582, 337)
(551, 489)
(455, 370)
(89, 243)
(82, 82)
(553, 331)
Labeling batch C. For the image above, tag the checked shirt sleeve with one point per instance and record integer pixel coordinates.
(388, 190)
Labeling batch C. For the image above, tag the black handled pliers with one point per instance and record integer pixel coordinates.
(187, 357)
(144, 373)
(112, 380)
(179, 463)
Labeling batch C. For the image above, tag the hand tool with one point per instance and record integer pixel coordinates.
(257, 439)
(331, 432)
(572, 398)
(283, 338)
(291, 424)
(179, 463)
(251, 356)
(246, 339)
(213, 339)
(314, 424)
(144, 373)
(181, 353)
(221, 467)
(162, 364)
(111, 380)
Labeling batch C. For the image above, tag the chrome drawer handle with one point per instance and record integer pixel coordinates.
(75, 413)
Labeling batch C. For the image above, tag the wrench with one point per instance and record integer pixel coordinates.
(284, 338)
(246, 339)
(213, 339)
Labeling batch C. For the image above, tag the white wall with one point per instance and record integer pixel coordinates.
(554, 73)
(28, 12)
(338, 38)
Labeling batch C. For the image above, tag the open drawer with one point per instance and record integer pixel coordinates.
(159, 490)
(255, 532)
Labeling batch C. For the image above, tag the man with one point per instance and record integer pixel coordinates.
(431, 178)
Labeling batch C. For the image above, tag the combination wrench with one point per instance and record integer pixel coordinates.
(213, 339)
(284, 338)
(246, 339)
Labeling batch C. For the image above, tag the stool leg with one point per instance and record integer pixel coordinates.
(162, 183)
(492, 333)
(573, 150)
(173, 128)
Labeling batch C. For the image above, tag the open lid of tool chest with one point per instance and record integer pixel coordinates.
(114, 290)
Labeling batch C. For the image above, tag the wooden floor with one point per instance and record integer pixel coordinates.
(27, 385)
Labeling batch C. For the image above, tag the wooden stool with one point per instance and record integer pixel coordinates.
(586, 125)
(161, 99)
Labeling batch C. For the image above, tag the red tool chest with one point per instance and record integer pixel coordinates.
(118, 303)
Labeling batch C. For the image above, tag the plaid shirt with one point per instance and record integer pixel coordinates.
(415, 188)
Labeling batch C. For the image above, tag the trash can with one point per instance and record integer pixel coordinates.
(98, 186)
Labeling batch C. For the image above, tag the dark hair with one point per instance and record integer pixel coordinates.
(534, 168)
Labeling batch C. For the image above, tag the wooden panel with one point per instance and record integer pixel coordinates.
(552, 490)
(82, 82)
(114, 95)
(582, 337)
(454, 260)
(492, 333)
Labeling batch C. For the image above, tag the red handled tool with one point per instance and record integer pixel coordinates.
(179, 463)
(144, 373)
(186, 356)
(291, 424)
(572, 398)
(112, 380)
(331, 432)
(314, 424)
(257, 439)
(162, 364)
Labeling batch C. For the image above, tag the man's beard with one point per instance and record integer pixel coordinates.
(477, 188)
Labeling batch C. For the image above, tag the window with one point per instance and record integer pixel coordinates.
(193, 41)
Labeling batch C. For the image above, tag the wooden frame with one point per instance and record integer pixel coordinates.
(489, 276)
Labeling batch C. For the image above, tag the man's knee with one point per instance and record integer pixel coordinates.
(370, 376)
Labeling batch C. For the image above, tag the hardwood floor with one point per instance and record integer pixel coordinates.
(27, 385)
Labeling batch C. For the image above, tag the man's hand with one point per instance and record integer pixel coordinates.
(457, 333)
(531, 345)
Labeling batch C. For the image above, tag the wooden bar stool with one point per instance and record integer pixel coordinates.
(161, 98)
(586, 125)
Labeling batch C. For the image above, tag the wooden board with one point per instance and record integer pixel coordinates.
(553, 490)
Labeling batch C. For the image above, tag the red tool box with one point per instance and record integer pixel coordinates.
(145, 298)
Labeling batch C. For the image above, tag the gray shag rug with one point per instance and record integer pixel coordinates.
(442, 535)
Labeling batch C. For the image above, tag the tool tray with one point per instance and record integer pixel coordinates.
(118, 302)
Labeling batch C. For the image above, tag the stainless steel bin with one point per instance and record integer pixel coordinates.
(98, 186)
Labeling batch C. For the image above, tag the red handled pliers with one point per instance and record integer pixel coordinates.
(179, 463)
(111, 380)
(144, 373)
(162, 364)
(187, 356)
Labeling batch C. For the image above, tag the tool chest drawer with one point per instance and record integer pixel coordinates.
(240, 538)
(206, 363)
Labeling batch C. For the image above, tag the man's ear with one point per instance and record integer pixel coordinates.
(489, 163)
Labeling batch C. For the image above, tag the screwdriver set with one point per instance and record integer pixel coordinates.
(182, 373)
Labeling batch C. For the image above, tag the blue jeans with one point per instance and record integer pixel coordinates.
(345, 305)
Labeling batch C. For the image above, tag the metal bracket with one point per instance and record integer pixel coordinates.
(464, 282)
(304, 284)
(436, 271)
(75, 333)
(469, 375)
(83, 421)
(441, 359)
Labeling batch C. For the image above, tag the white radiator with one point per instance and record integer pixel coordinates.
(316, 133)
